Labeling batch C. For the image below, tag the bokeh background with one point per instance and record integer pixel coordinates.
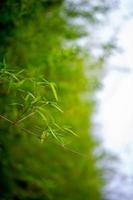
(65, 99)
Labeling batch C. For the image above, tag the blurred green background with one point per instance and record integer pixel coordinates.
(41, 38)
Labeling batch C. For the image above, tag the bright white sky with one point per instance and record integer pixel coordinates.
(117, 95)
(115, 113)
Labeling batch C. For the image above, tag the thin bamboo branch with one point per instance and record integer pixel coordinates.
(25, 118)
(5, 118)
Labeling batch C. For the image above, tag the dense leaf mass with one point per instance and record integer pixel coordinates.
(43, 106)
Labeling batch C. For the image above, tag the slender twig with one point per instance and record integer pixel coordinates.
(26, 130)
(25, 118)
(65, 148)
(5, 118)
(13, 123)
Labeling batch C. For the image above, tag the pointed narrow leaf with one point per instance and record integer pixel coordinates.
(60, 128)
(25, 117)
(20, 72)
(52, 85)
(42, 115)
(70, 131)
(31, 95)
(57, 107)
(12, 75)
(52, 132)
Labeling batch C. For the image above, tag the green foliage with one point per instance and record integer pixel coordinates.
(36, 44)
(27, 95)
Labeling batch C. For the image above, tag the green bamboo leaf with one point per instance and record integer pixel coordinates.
(20, 83)
(52, 132)
(41, 109)
(21, 71)
(36, 100)
(16, 104)
(56, 106)
(60, 128)
(42, 115)
(70, 131)
(12, 75)
(52, 85)
(31, 95)
(27, 97)
(25, 117)
(45, 81)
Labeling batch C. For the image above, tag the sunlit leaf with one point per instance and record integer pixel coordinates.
(54, 90)
(42, 115)
(52, 132)
(12, 75)
(56, 106)
(70, 131)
